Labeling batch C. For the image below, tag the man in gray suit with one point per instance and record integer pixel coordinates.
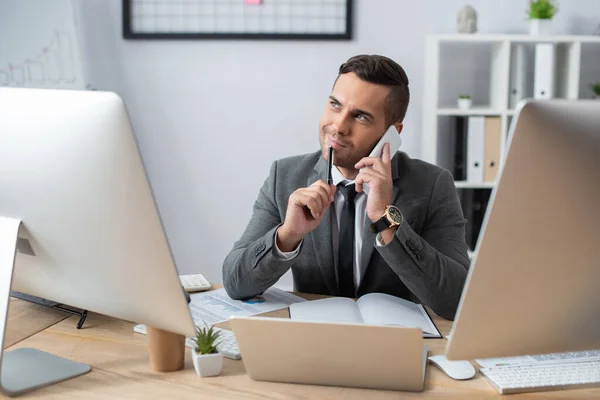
(405, 237)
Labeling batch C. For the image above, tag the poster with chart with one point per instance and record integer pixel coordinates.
(237, 19)
(38, 45)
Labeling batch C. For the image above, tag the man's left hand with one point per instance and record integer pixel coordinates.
(377, 172)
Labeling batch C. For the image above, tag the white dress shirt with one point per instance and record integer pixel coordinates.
(360, 206)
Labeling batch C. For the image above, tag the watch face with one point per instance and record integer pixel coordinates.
(394, 215)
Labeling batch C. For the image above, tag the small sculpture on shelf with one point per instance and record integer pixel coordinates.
(466, 22)
(464, 102)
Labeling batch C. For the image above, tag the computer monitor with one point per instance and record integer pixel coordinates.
(534, 283)
(73, 185)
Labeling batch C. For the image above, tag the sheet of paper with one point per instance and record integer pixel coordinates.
(383, 309)
(335, 309)
(216, 306)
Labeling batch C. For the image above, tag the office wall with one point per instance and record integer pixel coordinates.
(212, 115)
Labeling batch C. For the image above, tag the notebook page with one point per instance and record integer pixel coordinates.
(334, 309)
(384, 309)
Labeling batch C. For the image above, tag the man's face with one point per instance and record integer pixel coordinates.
(353, 120)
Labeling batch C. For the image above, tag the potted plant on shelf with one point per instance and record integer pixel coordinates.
(596, 88)
(541, 13)
(464, 101)
(207, 360)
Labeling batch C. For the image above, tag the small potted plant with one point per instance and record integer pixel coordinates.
(207, 360)
(541, 13)
(464, 101)
(596, 88)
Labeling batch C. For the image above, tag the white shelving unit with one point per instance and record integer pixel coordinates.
(480, 65)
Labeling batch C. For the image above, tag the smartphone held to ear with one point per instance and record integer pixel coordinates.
(390, 136)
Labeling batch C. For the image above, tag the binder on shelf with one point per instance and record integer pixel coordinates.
(543, 83)
(518, 75)
(466, 202)
(481, 199)
(475, 149)
(459, 157)
(493, 140)
(474, 203)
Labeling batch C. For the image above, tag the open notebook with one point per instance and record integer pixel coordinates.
(370, 309)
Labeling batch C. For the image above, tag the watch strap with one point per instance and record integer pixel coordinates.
(380, 225)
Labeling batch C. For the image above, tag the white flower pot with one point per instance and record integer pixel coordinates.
(207, 364)
(540, 27)
(464, 104)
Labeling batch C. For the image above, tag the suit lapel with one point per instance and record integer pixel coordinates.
(368, 237)
(321, 236)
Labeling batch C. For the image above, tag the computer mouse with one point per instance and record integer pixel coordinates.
(460, 369)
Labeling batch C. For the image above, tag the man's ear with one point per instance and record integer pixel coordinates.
(399, 126)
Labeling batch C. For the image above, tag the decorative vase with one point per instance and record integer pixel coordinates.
(207, 364)
(540, 27)
(464, 104)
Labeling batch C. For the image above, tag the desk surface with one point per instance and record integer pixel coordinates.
(120, 368)
(26, 319)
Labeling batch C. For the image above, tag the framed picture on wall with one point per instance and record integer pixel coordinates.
(238, 19)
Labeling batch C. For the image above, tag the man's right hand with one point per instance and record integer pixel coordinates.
(305, 210)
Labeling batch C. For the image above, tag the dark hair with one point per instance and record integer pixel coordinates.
(383, 71)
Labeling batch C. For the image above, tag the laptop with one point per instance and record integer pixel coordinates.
(337, 354)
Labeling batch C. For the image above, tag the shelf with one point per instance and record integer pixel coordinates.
(495, 70)
(470, 111)
(474, 185)
(467, 37)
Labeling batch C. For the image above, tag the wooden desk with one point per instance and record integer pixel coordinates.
(26, 319)
(121, 370)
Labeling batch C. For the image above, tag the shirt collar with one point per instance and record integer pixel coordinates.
(337, 178)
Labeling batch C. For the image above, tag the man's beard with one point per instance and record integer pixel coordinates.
(345, 160)
(348, 157)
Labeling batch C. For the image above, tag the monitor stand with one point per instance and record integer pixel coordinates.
(24, 369)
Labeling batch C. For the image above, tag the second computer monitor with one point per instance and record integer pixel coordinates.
(533, 286)
(91, 234)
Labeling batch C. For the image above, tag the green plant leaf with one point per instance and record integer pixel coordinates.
(596, 88)
(542, 9)
(205, 340)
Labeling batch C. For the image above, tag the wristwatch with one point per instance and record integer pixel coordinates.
(391, 217)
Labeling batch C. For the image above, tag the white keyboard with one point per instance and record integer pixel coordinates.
(571, 356)
(226, 345)
(538, 378)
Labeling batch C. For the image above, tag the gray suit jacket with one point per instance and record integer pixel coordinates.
(426, 262)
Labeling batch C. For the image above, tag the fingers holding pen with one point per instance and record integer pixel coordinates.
(316, 198)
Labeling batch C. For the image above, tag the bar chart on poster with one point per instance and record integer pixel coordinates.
(39, 45)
